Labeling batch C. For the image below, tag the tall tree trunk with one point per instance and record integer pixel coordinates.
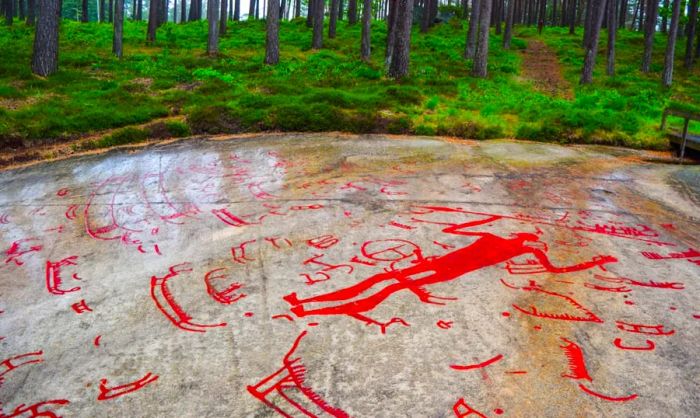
(139, 11)
(352, 12)
(425, 17)
(251, 9)
(272, 38)
(591, 47)
(20, 9)
(8, 6)
(391, 32)
(84, 12)
(297, 8)
(31, 12)
(572, 16)
(664, 18)
(310, 11)
(542, 16)
(366, 44)
(649, 30)
(213, 21)
(692, 28)
(183, 11)
(45, 56)
(497, 15)
(319, 8)
(237, 10)
(152, 21)
(223, 17)
(400, 57)
(671, 46)
(117, 40)
(110, 12)
(612, 35)
(470, 48)
(333, 21)
(508, 36)
(101, 14)
(481, 57)
(623, 14)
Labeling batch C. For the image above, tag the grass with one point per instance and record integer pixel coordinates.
(322, 90)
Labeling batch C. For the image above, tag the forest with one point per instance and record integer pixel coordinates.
(110, 72)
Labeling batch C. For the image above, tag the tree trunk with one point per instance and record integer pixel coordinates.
(649, 30)
(508, 36)
(183, 11)
(542, 16)
(310, 10)
(101, 15)
(692, 28)
(251, 9)
(110, 12)
(623, 14)
(139, 11)
(272, 38)
(572, 17)
(470, 48)
(45, 56)
(664, 18)
(117, 40)
(83, 11)
(366, 46)
(223, 17)
(591, 47)
(213, 21)
(481, 57)
(612, 35)
(352, 12)
(400, 57)
(8, 6)
(297, 8)
(425, 17)
(152, 21)
(497, 14)
(671, 46)
(31, 12)
(237, 10)
(391, 32)
(333, 22)
(319, 8)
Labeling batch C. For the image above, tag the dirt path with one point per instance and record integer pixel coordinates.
(540, 65)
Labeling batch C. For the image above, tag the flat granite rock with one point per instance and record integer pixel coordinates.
(330, 275)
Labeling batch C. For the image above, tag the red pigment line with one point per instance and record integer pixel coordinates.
(517, 372)
(478, 365)
(97, 341)
(607, 398)
(650, 345)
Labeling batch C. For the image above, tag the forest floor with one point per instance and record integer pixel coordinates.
(541, 66)
(172, 89)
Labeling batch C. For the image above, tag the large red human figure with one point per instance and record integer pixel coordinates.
(487, 250)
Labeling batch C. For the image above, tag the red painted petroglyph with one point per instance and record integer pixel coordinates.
(481, 365)
(577, 363)
(604, 397)
(36, 410)
(166, 304)
(81, 307)
(648, 347)
(19, 248)
(226, 296)
(121, 390)
(588, 316)
(53, 275)
(463, 410)
(644, 329)
(287, 394)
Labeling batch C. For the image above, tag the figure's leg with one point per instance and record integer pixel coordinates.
(427, 297)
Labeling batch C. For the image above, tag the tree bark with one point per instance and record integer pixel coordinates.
(400, 57)
(692, 28)
(223, 17)
(101, 14)
(31, 12)
(481, 57)
(272, 38)
(366, 44)
(612, 35)
(237, 10)
(297, 8)
(542, 16)
(572, 17)
(139, 11)
(497, 15)
(84, 12)
(310, 11)
(352, 12)
(8, 6)
(333, 21)
(649, 30)
(152, 21)
(183, 11)
(671, 45)
(110, 11)
(391, 32)
(508, 35)
(213, 21)
(591, 47)
(251, 9)
(117, 40)
(664, 18)
(470, 47)
(319, 8)
(45, 56)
